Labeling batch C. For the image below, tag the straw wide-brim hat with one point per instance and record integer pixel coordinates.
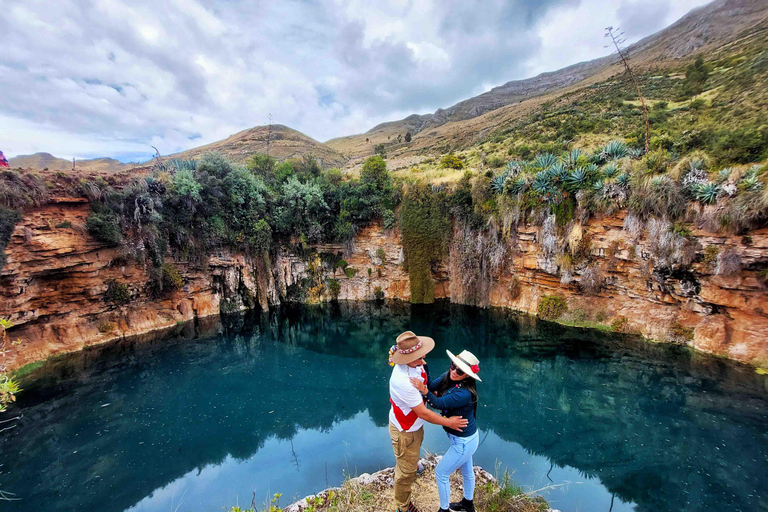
(411, 347)
(466, 361)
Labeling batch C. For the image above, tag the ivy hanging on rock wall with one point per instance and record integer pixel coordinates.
(425, 225)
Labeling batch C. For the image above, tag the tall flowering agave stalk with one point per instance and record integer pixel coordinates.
(572, 157)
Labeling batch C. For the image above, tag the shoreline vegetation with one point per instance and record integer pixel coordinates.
(374, 492)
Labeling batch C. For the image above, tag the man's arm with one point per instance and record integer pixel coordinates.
(454, 422)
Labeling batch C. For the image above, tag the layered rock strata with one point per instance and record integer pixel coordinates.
(52, 290)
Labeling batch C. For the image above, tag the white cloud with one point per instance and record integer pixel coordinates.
(109, 77)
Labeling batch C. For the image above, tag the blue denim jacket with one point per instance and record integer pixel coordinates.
(457, 401)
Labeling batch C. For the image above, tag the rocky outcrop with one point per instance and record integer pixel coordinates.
(54, 284)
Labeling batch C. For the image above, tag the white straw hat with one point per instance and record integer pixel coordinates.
(468, 363)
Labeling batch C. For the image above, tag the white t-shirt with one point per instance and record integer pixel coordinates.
(405, 396)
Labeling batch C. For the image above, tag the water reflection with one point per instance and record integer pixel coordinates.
(263, 402)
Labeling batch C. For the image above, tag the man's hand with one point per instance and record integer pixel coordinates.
(456, 423)
(419, 384)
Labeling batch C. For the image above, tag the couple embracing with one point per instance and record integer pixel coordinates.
(454, 394)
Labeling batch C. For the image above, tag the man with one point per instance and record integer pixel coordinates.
(3, 160)
(408, 413)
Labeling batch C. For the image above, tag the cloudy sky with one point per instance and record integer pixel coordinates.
(112, 77)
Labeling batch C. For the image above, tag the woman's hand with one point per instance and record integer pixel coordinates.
(419, 384)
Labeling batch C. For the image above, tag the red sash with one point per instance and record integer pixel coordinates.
(406, 421)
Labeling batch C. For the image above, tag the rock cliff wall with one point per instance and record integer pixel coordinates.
(53, 287)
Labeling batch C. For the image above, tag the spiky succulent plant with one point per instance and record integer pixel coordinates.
(572, 157)
(611, 170)
(724, 174)
(578, 179)
(514, 167)
(597, 186)
(497, 183)
(557, 173)
(707, 193)
(518, 186)
(182, 165)
(615, 150)
(542, 184)
(545, 160)
(623, 180)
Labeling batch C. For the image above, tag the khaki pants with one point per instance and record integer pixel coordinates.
(407, 447)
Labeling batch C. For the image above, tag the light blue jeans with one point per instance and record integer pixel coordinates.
(458, 456)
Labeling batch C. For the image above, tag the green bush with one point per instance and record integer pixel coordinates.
(117, 293)
(334, 287)
(8, 221)
(381, 255)
(378, 293)
(104, 227)
(172, 278)
(620, 324)
(552, 307)
(350, 272)
(451, 162)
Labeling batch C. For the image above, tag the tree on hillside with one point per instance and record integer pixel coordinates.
(696, 77)
(617, 40)
(408, 137)
(381, 150)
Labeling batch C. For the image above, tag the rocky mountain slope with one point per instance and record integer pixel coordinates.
(284, 143)
(41, 161)
(715, 25)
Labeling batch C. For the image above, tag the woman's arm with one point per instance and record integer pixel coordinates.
(457, 398)
(434, 383)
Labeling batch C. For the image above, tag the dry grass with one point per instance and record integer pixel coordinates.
(353, 496)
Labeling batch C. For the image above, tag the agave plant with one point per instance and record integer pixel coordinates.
(657, 181)
(572, 157)
(514, 167)
(545, 160)
(597, 186)
(182, 165)
(610, 170)
(557, 173)
(615, 150)
(698, 163)
(707, 193)
(578, 179)
(723, 175)
(497, 183)
(542, 184)
(623, 180)
(518, 186)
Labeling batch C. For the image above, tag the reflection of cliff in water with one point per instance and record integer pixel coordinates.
(660, 426)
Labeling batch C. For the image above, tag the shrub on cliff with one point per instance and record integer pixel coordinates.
(8, 221)
(172, 279)
(552, 307)
(117, 293)
(104, 227)
(334, 288)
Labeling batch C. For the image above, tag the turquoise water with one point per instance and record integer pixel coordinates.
(217, 413)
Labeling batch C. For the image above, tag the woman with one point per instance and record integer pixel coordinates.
(454, 394)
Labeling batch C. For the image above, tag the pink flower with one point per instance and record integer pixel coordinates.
(475, 368)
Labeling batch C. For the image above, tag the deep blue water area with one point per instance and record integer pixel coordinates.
(292, 400)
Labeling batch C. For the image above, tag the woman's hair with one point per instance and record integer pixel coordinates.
(468, 382)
